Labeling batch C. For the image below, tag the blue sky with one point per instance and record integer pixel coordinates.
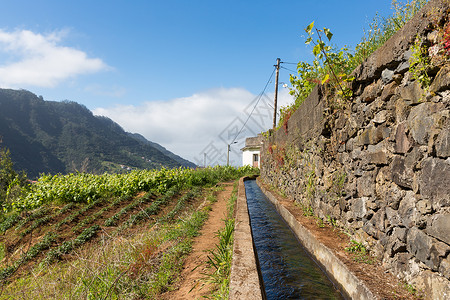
(181, 73)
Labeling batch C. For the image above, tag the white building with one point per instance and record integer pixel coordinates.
(251, 153)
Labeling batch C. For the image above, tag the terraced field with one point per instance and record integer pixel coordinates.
(129, 246)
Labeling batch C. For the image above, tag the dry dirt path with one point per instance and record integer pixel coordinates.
(190, 284)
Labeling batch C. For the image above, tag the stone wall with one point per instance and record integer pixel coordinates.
(379, 164)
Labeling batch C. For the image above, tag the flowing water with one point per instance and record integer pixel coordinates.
(288, 271)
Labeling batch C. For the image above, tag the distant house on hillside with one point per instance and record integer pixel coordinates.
(251, 153)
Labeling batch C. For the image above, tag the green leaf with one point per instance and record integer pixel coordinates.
(322, 45)
(308, 40)
(309, 28)
(328, 33)
(316, 49)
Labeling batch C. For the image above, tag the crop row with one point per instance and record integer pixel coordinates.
(153, 209)
(112, 221)
(40, 218)
(54, 254)
(39, 213)
(68, 246)
(70, 218)
(181, 203)
(34, 251)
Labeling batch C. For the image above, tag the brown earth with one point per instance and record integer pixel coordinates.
(191, 283)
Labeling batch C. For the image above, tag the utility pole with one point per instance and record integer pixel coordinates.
(204, 160)
(228, 152)
(276, 95)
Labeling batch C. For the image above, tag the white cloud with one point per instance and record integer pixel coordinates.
(40, 60)
(202, 123)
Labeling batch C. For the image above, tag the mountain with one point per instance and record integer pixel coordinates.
(61, 137)
(166, 152)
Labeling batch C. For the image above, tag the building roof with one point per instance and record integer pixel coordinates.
(253, 143)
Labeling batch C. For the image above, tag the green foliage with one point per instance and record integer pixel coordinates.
(153, 209)
(219, 260)
(355, 247)
(7, 271)
(34, 251)
(9, 221)
(36, 214)
(360, 253)
(181, 203)
(411, 289)
(84, 192)
(36, 224)
(331, 221)
(46, 242)
(420, 63)
(320, 223)
(12, 184)
(180, 235)
(145, 265)
(2, 251)
(339, 180)
(310, 184)
(336, 190)
(232, 201)
(307, 210)
(381, 29)
(112, 221)
(68, 246)
(86, 188)
(332, 66)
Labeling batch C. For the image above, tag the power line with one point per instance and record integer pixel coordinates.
(288, 69)
(289, 63)
(259, 98)
(271, 106)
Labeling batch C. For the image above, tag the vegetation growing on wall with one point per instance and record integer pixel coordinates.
(333, 66)
(420, 64)
(429, 54)
(379, 165)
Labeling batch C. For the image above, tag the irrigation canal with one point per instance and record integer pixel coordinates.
(287, 269)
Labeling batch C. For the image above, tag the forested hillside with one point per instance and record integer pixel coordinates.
(60, 137)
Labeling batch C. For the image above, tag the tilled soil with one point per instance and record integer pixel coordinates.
(17, 246)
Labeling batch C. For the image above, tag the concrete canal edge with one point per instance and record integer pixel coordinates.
(245, 281)
(350, 285)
